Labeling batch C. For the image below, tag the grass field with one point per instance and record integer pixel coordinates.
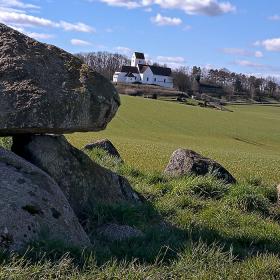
(146, 132)
(196, 228)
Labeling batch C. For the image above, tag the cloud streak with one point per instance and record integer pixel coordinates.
(274, 17)
(163, 21)
(256, 66)
(17, 4)
(242, 52)
(81, 43)
(191, 7)
(23, 19)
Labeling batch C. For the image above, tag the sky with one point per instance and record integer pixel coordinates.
(240, 35)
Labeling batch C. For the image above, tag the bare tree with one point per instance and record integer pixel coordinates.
(104, 63)
(182, 79)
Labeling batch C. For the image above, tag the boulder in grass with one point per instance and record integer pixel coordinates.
(106, 145)
(32, 204)
(185, 161)
(44, 89)
(84, 182)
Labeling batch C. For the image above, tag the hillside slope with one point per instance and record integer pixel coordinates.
(146, 132)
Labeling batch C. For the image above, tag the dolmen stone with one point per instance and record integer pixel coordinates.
(185, 161)
(84, 182)
(44, 89)
(106, 145)
(32, 205)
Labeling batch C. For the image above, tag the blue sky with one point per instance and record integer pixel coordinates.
(240, 35)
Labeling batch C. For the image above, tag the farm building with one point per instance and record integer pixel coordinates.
(139, 71)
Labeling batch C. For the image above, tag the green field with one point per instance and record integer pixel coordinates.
(146, 132)
(194, 227)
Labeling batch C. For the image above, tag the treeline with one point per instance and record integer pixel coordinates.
(187, 79)
(233, 84)
(104, 63)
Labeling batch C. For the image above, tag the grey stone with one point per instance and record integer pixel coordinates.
(83, 181)
(106, 145)
(32, 204)
(184, 162)
(115, 232)
(44, 89)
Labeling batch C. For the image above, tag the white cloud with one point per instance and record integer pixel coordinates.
(34, 35)
(23, 19)
(170, 61)
(162, 20)
(270, 44)
(257, 66)
(258, 54)
(242, 52)
(78, 42)
(191, 7)
(236, 51)
(166, 59)
(124, 50)
(250, 64)
(274, 17)
(39, 36)
(79, 27)
(17, 4)
(194, 7)
(123, 3)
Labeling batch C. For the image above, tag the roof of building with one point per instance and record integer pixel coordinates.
(129, 69)
(130, 75)
(143, 67)
(139, 55)
(157, 70)
(161, 71)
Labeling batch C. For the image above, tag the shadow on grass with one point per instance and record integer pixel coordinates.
(241, 247)
(161, 242)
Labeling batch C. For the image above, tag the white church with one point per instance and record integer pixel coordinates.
(141, 72)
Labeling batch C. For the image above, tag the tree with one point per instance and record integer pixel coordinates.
(105, 63)
(271, 86)
(182, 79)
(238, 84)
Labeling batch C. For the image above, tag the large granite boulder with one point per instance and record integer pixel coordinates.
(44, 89)
(184, 162)
(31, 205)
(83, 181)
(107, 146)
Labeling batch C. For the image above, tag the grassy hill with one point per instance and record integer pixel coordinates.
(193, 227)
(146, 132)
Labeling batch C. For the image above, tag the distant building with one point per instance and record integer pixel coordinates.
(140, 72)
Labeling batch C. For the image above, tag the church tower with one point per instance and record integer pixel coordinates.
(137, 58)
